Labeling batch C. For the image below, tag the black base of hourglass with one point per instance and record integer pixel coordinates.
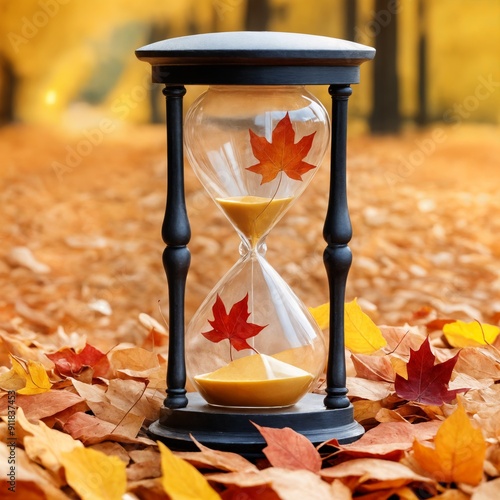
(231, 429)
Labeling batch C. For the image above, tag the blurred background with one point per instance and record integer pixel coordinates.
(82, 162)
(63, 60)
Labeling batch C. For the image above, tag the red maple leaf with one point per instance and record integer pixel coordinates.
(427, 383)
(281, 154)
(69, 363)
(232, 326)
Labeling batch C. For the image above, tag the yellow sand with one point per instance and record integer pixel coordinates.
(253, 215)
(253, 381)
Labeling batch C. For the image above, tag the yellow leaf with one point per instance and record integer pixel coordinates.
(94, 475)
(33, 373)
(321, 314)
(458, 454)
(400, 367)
(43, 444)
(11, 381)
(362, 335)
(182, 481)
(461, 334)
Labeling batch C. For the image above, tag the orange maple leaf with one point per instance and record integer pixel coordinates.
(282, 154)
(458, 453)
(289, 449)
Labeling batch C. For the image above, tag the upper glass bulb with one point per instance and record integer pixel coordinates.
(255, 149)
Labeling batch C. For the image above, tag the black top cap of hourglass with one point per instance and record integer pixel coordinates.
(255, 58)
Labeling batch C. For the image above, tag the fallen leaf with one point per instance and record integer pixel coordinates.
(479, 363)
(43, 405)
(34, 375)
(461, 334)
(452, 494)
(366, 411)
(135, 362)
(340, 491)
(223, 460)
(147, 489)
(122, 411)
(373, 390)
(11, 381)
(34, 316)
(288, 449)
(70, 363)
(181, 481)
(373, 473)
(373, 367)
(282, 154)
(110, 448)
(146, 464)
(133, 396)
(32, 481)
(22, 256)
(362, 335)
(401, 339)
(263, 492)
(437, 324)
(487, 491)
(458, 453)
(288, 484)
(90, 429)
(94, 475)
(321, 315)
(375, 443)
(399, 366)
(385, 415)
(427, 383)
(42, 444)
(233, 326)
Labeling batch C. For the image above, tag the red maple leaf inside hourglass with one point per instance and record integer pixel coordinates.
(233, 326)
(281, 154)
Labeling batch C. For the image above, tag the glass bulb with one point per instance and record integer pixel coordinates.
(252, 343)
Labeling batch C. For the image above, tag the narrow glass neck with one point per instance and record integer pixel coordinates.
(259, 248)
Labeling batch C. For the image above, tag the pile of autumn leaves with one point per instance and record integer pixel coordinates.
(429, 399)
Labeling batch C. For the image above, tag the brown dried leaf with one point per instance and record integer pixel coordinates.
(480, 363)
(365, 410)
(32, 482)
(46, 404)
(288, 484)
(340, 491)
(401, 339)
(91, 430)
(222, 460)
(373, 367)
(112, 449)
(126, 418)
(135, 362)
(288, 449)
(373, 473)
(389, 440)
(372, 390)
(44, 445)
(146, 464)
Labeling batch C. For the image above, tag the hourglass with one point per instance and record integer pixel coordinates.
(255, 139)
(252, 343)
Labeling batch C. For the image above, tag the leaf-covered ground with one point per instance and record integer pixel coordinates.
(80, 264)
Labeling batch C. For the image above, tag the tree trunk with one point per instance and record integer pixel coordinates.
(350, 9)
(7, 90)
(257, 16)
(385, 116)
(422, 117)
